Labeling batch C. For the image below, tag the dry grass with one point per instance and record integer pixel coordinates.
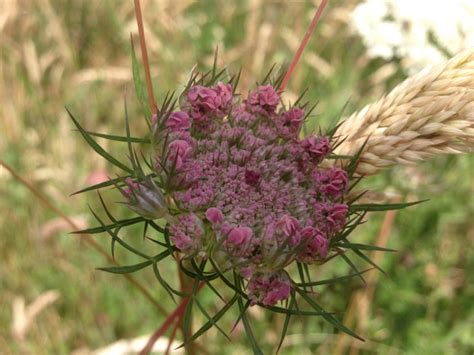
(428, 114)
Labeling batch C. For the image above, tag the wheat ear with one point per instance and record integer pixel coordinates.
(430, 113)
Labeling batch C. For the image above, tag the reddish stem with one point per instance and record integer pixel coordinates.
(172, 336)
(302, 46)
(178, 312)
(146, 65)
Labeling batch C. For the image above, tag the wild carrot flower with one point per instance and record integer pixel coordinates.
(247, 191)
(233, 183)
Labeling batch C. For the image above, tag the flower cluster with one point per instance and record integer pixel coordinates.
(245, 188)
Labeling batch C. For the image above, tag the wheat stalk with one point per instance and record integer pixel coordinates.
(428, 114)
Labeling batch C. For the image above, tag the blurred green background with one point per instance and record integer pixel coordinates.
(76, 53)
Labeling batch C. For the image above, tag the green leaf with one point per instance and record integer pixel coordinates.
(358, 246)
(187, 319)
(353, 267)
(300, 271)
(350, 228)
(104, 228)
(119, 240)
(226, 280)
(201, 275)
(163, 282)
(295, 312)
(126, 269)
(247, 327)
(102, 184)
(212, 321)
(266, 79)
(129, 142)
(351, 168)
(287, 322)
(111, 217)
(329, 317)
(367, 259)
(383, 207)
(140, 88)
(333, 280)
(116, 138)
(99, 150)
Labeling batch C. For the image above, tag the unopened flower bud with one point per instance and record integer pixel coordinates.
(145, 198)
(215, 216)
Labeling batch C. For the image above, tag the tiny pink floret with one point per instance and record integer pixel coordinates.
(214, 215)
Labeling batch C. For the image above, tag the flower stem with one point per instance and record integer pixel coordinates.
(177, 313)
(302, 46)
(146, 64)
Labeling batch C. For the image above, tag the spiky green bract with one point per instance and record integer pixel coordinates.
(201, 268)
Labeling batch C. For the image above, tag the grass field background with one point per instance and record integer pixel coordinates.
(74, 53)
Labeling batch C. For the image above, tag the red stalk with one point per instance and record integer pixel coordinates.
(146, 65)
(302, 46)
(178, 312)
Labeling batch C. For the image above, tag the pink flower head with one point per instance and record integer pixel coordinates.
(268, 289)
(252, 177)
(187, 234)
(215, 216)
(316, 245)
(202, 101)
(289, 225)
(290, 122)
(331, 217)
(182, 241)
(205, 102)
(265, 99)
(239, 236)
(316, 147)
(291, 228)
(238, 241)
(178, 121)
(331, 183)
(266, 199)
(179, 150)
(224, 93)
